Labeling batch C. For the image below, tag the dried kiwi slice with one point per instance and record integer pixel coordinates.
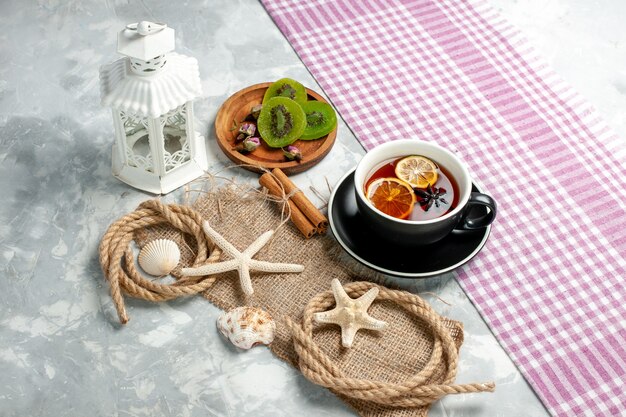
(320, 120)
(281, 122)
(286, 87)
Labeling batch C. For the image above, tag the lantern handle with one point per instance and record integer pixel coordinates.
(145, 27)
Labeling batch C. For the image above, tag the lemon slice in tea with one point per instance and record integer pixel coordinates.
(391, 196)
(417, 170)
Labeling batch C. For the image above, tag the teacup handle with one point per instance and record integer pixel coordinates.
(478, 199)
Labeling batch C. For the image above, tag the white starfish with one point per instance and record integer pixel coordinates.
(242, 261)
(350, 314)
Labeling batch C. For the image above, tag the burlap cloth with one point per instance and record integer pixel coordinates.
(392, 355)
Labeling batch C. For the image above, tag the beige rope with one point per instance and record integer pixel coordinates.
(117, 260)
(418, 390)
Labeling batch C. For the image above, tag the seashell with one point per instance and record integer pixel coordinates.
(247, 327)
(159, 257)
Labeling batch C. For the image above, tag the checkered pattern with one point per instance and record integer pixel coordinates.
(550, 283)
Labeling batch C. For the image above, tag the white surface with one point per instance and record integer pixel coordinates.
(62, 352)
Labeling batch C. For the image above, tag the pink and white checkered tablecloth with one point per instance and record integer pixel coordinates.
(551, 281)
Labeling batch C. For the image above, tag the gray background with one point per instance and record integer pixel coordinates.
(62, 352)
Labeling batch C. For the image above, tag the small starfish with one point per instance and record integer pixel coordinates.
(350, 314)
(242, 261)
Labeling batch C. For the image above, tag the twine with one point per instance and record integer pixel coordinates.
(117, 259)
(210, 181)
(423, 388)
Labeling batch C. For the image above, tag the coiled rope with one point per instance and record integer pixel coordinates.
(423, 388)
(117, 259)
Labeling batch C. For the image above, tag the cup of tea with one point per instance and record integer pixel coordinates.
(415, 192)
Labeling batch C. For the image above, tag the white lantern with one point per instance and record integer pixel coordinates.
(150, 91)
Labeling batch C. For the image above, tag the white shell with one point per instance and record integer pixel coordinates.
(159, 257)
(247, 327)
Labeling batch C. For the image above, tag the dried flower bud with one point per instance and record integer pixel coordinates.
(247, 128)
(240, 137)
(251, 143)
(256, 110)
(292, 153)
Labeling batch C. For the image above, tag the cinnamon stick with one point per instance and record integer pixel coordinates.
(307, 208)
(305, 227)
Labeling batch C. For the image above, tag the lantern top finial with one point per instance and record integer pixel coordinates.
(145, 40)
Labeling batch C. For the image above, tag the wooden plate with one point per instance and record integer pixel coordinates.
(237, 107)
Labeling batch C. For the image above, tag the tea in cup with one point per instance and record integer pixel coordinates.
(415, 192)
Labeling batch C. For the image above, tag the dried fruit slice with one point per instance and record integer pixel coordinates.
(417, 170)
(391, 196)
(286, 87)
(281, 122)
(320, 120)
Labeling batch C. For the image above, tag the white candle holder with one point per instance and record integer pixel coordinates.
(150, 92)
